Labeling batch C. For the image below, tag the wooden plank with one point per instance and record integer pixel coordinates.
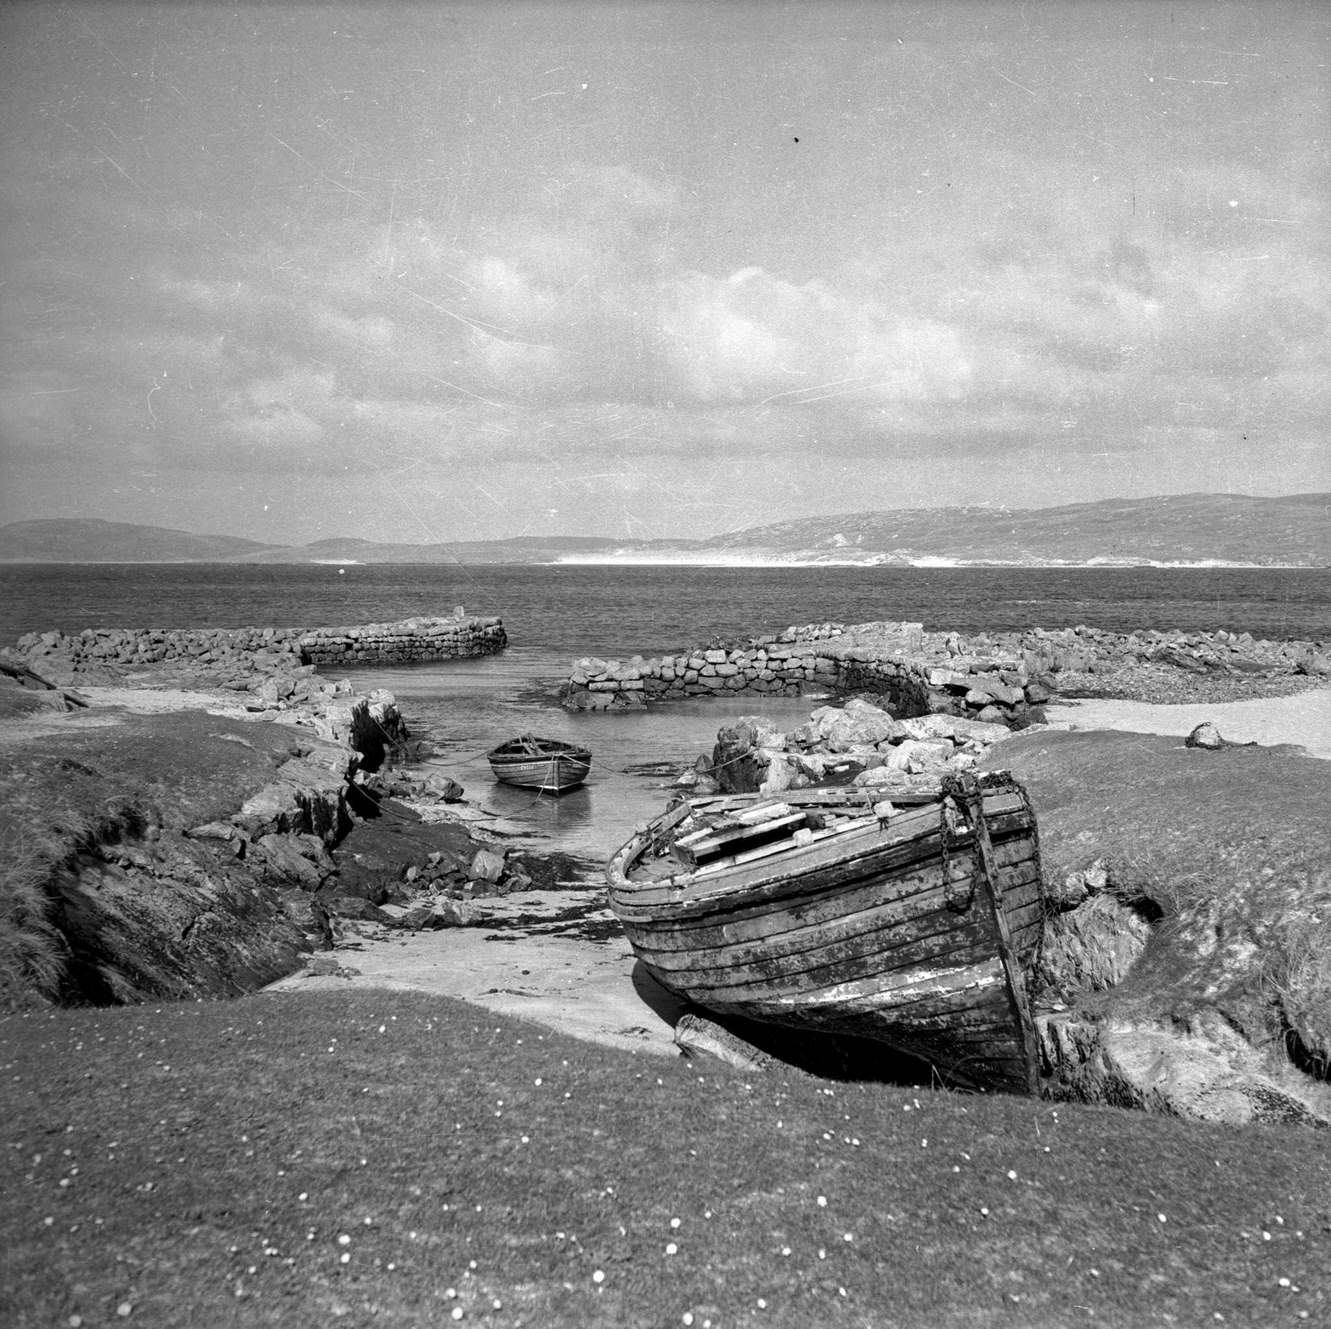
(883, 875)
(817, 929)
(1016, 980)
(695, 850)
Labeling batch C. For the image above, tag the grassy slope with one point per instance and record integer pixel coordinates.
(393, 1158)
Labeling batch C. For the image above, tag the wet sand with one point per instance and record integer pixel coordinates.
(524, 957)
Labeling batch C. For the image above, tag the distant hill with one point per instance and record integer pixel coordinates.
(1184, 528)
(1294, 530)
(87, 540)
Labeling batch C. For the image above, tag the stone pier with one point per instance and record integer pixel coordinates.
(994, 678)
(118, 650)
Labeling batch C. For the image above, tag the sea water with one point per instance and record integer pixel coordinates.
(553, 614)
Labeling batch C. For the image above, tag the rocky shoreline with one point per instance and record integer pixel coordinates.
(206, 844)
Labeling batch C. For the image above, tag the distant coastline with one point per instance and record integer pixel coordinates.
(711, 560)
(1199, 531)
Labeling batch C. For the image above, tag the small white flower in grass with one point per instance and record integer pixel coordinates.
(686, 1318)
(343, 1239)
(1282, 1282)
(598, 1275)
(1162, 1218)
(671, 1248)
(984, 1211)
(822, 1202)
(345, 1257)
(124, 1310)
(457, 1312)
(849, 1236)
(674, 1222)
(822, 1254)
(785, 1250)
(762, 1303)
(1011, 1176)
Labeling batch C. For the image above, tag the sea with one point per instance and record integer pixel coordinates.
(554, 614)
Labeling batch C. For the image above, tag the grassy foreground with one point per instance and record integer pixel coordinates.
(399, 1159)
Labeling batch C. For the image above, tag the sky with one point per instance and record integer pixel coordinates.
(449, 271)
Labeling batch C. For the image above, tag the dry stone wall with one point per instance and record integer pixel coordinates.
(899, 661)
(993, 678)
(410, 641)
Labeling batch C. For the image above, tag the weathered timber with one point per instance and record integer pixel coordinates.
(909, 925)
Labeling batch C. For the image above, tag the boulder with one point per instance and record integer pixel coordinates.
(486, 866)
(743, 753)
(284, 862)
(958, 728)
(1205, 735)
(1202, 1069)
(857, 724)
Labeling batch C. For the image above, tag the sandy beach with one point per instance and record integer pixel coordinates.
(1303, 719)
(526, 958)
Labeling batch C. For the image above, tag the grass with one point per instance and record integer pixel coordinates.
(399, 1159)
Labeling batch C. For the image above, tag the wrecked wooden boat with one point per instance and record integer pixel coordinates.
(913, 922)
(547, 764)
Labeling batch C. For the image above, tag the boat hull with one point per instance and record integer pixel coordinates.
(551, 767)
(916, 931)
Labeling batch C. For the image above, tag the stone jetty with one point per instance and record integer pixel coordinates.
(269, 650)
(997, 678)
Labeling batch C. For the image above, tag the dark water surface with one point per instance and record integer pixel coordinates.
(555, 614)
(581, 609)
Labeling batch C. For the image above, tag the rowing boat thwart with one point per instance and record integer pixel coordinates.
(912, 922)
(547, 764)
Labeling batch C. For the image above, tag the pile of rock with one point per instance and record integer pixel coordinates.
(858, 743)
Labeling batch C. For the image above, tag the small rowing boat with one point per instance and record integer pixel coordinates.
(913, 922)
(547, 764)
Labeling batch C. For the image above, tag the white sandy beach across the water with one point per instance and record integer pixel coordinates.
(1304, 718)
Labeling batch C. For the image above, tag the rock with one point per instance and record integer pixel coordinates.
(285, 863)
(1204, 1070)
(958, 728)
(695, 1034)
(857, 724)
(486, 866)
(444, 789)
(743, 753)
(1092, 947)
(921, 755)
(1205, 736)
